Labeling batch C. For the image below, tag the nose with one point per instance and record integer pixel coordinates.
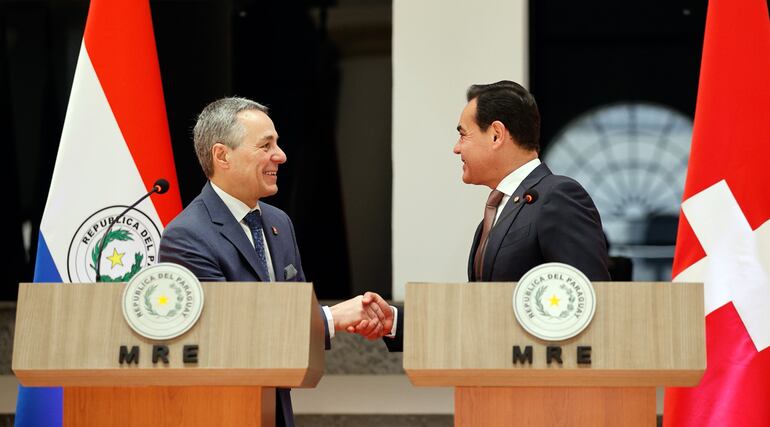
(456, 149)
(279, 156)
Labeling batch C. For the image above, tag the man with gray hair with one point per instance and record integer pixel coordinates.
(221, 235)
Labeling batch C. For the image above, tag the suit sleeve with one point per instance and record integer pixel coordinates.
(185, 249)
(396, 344)
(570, 231)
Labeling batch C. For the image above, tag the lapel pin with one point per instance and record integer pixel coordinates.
(516, 199)
(275, 230)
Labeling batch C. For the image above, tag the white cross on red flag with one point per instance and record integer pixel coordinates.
(724, 229)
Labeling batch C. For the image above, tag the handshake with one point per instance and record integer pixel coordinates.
(367, 315)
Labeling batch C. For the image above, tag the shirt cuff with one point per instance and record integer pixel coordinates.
(392, 333)
(330, 320)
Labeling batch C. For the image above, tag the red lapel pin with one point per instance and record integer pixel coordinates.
(275, 230)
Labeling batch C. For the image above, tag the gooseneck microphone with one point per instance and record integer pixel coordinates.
(160, 186)
(530, 196)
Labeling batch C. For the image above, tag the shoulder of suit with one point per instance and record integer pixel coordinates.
(553, 180)
(190, 216)
(270, 210)
(559, 184)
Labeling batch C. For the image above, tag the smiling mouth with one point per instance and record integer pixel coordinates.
(274, 173)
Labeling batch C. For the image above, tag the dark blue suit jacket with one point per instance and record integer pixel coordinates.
(561, 225)
(208, 240)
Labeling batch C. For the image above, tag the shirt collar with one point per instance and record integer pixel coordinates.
(235, 206)
(511, 182)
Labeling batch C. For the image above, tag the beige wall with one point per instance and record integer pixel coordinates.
(439, 49)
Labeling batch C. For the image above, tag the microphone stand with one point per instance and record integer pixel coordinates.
(155, 189)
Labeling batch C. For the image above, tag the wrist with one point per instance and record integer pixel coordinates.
(335, 318)
(329, 319)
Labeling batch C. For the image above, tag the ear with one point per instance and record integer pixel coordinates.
(498, 133)
(220, 156)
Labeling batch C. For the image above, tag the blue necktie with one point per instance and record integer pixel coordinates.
(254, 220)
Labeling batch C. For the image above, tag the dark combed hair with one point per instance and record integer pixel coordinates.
(513, 106)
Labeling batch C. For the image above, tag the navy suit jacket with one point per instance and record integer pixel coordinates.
(208, 240)
(560, 225)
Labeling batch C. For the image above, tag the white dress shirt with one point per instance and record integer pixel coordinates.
(511, 182)
(239, 211)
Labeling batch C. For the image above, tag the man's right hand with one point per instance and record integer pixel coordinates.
(375, 303)
(354, 315)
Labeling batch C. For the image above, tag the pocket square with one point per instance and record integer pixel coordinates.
(289, 272)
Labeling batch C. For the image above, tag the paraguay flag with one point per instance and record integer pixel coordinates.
(724, 233)
(114, 145)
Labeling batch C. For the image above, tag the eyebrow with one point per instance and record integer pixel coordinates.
(459, 128)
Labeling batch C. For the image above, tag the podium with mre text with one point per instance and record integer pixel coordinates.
(466, 336)
(250, 338)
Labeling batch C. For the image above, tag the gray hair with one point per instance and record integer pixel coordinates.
(218, 122)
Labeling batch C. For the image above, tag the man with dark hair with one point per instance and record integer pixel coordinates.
(531, 216)
(513, 106)
(220, 236)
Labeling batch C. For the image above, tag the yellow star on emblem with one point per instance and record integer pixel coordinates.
(554, 300)
(116, 258)
(162, 300)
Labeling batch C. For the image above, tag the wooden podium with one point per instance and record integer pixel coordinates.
(250, 337)
(643, 335)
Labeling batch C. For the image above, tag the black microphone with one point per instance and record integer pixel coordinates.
(160, 186)
(530, 196)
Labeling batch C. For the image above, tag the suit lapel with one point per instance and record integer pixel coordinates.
(510, 212)
(474, 248)
(273, 243)
(230, 228)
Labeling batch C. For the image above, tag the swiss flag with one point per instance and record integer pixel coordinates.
(724, 231)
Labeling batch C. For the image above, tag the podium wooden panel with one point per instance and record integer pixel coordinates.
(169, 406)
(643, 335)
(252, 337)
